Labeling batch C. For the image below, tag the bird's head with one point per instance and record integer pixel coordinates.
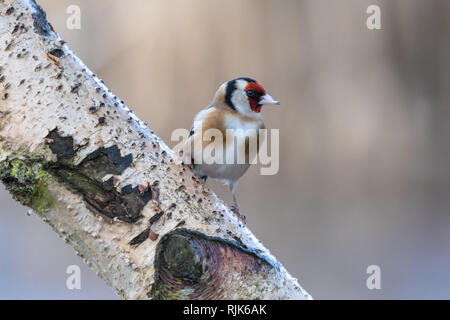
(245, 95)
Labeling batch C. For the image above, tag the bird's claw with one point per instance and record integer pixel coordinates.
(238, 214)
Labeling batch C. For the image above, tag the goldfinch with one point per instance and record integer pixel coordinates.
(236, 105)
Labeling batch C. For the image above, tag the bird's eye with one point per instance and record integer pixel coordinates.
(251, 94)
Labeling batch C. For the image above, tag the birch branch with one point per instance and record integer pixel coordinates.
(110, 187)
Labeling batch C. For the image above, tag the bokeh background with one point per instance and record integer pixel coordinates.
(364, 126)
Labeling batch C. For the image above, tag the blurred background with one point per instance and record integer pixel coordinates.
(364, 127)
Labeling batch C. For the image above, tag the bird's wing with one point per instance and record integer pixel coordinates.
(193, 135)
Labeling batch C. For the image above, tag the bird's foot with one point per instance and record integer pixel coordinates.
(237, 212)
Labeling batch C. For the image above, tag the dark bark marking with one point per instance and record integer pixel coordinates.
(61, 146)
(156, 217)
(9, 11)
(75, 88)
(105, 161)
(58, 53)
(147, 233)
(40, 24)
(86, 179)
(140, 237)
(103, 198)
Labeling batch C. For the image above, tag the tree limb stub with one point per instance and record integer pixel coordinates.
(192, 265)
(109, 186)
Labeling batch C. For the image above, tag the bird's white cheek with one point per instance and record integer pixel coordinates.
(240, 102)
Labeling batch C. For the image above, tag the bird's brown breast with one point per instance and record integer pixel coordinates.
(223, 119)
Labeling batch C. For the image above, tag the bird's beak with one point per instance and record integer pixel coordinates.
(267, 99)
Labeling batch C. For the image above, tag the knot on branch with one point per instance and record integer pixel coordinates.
(192, 265)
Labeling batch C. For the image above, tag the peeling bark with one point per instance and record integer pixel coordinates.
(109, 186)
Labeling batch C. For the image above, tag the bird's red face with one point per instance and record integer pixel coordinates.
(255, 91)
(257, 96)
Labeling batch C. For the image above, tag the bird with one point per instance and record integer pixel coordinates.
(236, 105)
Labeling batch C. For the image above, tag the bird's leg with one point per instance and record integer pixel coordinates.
(235, 209)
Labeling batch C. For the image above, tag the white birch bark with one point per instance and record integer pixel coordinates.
(78, 156)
